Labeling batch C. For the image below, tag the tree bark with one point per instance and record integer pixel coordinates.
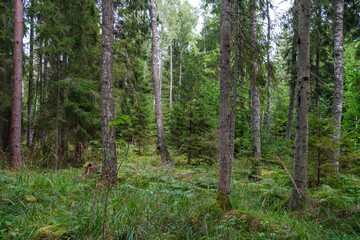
(268, 71)
(161, 144)
(43, 99)
(31, 82)
(15, 125)
(299, 190)
(171, 72)
(109, 168)
(57, 113)
(338, 78)
(255, 95)
(180, 70)
(224, 118)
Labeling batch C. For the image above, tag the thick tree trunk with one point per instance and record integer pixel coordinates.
(235, 93)
(338, 77)
(224, 119)
(255, 95)
(165, 157)
(299, 191)
(15, 125)
(171, 71)
(31, 84)
(109, 168)
(268, 71)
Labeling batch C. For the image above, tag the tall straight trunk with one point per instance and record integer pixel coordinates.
(255, 95)
(57, 113)
(109, 168)
(31, 83)
(161, 145)
(299, 190)
(15, 124)
(35, 118)
(171, 71)
(43, 99)
(338, 77)
(292, 84)
(235, 81)
(268, 71)
(224, 118)
(180, 69)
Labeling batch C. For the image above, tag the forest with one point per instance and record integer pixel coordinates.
(179, 119)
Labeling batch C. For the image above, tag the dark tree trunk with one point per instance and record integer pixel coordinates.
(255, 94)
(165, 157)
(43, 99)
(57, 113)
(338, 77)
(224, 118)
(299, 191)
(109, 169)
(15, 125)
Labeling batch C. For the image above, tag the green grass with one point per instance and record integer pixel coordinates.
(160, 202)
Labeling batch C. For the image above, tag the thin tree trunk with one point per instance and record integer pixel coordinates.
(57, 113)
(31, 83)
(109, 169)
(165, 157)
(180, 69)
(37, 91)
(255, 95)
(42, 100)
(171, 71)
(268, 71)
(299, 190)
(224, 118)
(338, 77)
(15, 124)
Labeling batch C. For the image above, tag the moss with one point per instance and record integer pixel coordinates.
(30, 198)
(49, 232)
(224, 201)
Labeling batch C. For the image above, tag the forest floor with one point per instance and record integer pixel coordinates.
(152, 201)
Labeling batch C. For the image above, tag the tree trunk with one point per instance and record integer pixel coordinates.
(255, 95)
(161, 145)
(224, 118)
(171, 72)
(338, 78)
(109, 168)
(180, 69)
(235, 93)
(268, 71)
(292, 83)
(42, 100)
(299, 191)
(31, 83)
(15, 125)
(57, 112)
(37, 91)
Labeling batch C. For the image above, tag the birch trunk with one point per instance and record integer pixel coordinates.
(109, 168)
(338, 78)
(224, 119)
(255, 95)
(161, 145)
(171, 72)
(15, 124)
(299, 190)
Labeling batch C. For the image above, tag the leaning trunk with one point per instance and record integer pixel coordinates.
(15, 124)
(109, 168)
(161, 145)
(338, 78)
(224, 119)
(299, 191)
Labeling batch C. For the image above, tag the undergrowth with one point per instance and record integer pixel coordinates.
(152, 201)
